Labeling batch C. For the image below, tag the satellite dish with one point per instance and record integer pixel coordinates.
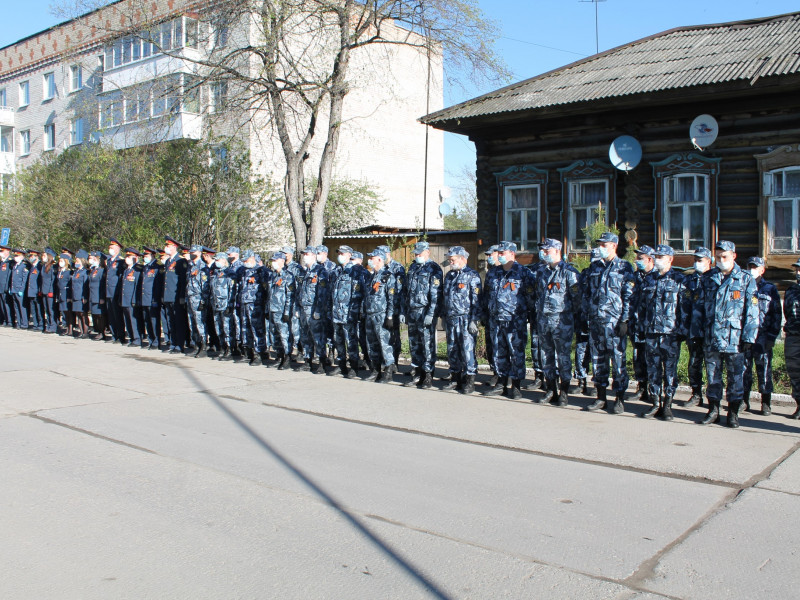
(445, 209)
(625, 153)
(445, 193)
(704, 131)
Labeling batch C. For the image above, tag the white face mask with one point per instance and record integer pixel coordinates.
(725, 265)
(321, 258)
(421, 260)
(754, 273)
(62, 264)
(275, 265)
(129, 261)
(219, 264)
(343, 259)
(700, 266)
(93, 262)
(309, 260)
(661, 265)
(17, 259)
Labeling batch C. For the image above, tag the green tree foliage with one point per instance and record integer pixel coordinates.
(592, 232)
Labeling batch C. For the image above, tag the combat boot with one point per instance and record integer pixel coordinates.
(339, 368)
(416, 375)
(469, 385)
(585, 387)
(563, 396)
(283, 360)
(796, 414)
(601, 399)
(514, 392)
(537, 382)
(498, 388)
(453, 383)
(373, 375)
(225, 353)
(733, 414)
(666, 411)
(305, 365)
(551, 392)
(653, 409)
(641, 391)
(493, 380)
(251, 356)
(713, 413)
(264, 358)
(425, 381)
(387, 374)
(766, 404)
(619, 405)
(696, 399)
(352, 373)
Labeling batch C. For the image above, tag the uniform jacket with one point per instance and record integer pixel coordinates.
(198, 289)
(462, 294)
(635, 323)
(422, 294)
(223, 289)
(131, 287)
(608, 287)
(97, 284)
(791, 310)
(114, 270)
(48, 273)
(175, 272)
(491, 272)
(19, 278)
(347, 293)
(399, 272)
(557, 293)
(252, 285)
(313, 290)
(281, 288)
(663, 306)
(769, 312)
(5, 274)
(34, 287)
(511, 295)
(535, 269)
(380, 296)
(726, 313)
(152, 284)
(63, 286)
(79, 286)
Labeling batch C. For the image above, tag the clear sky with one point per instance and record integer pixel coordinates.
(537, 35)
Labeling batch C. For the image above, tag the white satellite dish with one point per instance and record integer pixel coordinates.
(445, 209)
(445, 193)
(703, 132)
(625, 153)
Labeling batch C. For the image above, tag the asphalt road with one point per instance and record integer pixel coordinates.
(134, 474)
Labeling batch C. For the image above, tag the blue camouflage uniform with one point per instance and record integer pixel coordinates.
(537, 361)
(198, 292)
(421, 306)
(235, 265)
(770, 318)
(491, 271)
(130, 300)
(347, 297)
(223, 304)
(311, 302)
(251, 288)
(281, 288)
(33, 295)
(380, 306)
(296, 270)
(463, 309)
(174, 301)
(791, 330)
(399, 272)
(583, 353)
(726, 316)
(606, 303)
(635, 324)
(695, 345)
(17, 286)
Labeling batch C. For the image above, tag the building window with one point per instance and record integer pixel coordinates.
(49, 88)
(588, 188)
(3, 98)
(686, 201)
(76, 132)
(75, 78)
(25, 142)
(7, 139)
(220, 35)
(24, 93)
(520, 201)
(685, 215)
(782, 190)
(191, 94)
(50, 136)
(219, 95)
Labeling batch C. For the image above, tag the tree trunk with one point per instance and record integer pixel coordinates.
(293, 190)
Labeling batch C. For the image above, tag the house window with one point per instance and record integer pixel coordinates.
(24, 93)
(782, 190)
(219, 95)
(75, 77)
(50, 136)
(685, 218)
(521, 216)
(25, 142)
(76, 132)
(586, 198)
(3, 98)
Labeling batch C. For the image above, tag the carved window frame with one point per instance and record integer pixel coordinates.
(782, 157)
(516, 177)
(585, 171)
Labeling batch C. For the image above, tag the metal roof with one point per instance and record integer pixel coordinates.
(674, 59)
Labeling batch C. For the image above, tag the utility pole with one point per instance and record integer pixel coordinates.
(596, 23)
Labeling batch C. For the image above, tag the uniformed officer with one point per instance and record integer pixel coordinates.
(48, 290)
(79, 292)
(197, 295)
(695, 345)
(770, 319)
(663, 318)
(63, 293)
(644, 267)
(583, 354)
(173, 298)
(151, 291)
(346, 299)
(251, 288)
(422, 302)
(235, 265)
(281, 288)
(791, 330)
(311, 302)
(511, 297)
(492, 267)
(358, 260)
(211, 332)
(462, 311)
(380, 306)
(293, 267)
(18, 286)
(557, 300)
(130, 297)
(322, 258)
(726, 314)
(223, 303)
(536, 350)
(98, 305)
(399, 271)
(115, 267)
(6, 303)
(33, 291)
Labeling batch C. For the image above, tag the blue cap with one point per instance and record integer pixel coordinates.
(113, 240)
(457, 251)
(701, 252)
(288, 250)
(757, 261)
(171, 240)
(33, 251)
(233, 250)
(378, 252)
(96, 254)
(196, 248)
(725, 246)
(149, 250)
(82, 254)
(343, 249)
(322, 248)
(278, 255)
(248, 254)
(49, 251)
(310, 250)
(65, 256)
(384, 249)
(420, 247)
(65, 249)
(549, 244)
(646, 250)
(220, 256)
(490, 250)
(357, 254)
(608, 237)
(507, 247)
(664, 250)
(133, 251)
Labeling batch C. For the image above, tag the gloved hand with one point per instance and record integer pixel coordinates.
(403, 319)
(388, 322)
(317, 316)
(746, 347)
(102, 301)
(622, 328)
(201, 307)
(286, 318)
(428, 320)
(472, 328)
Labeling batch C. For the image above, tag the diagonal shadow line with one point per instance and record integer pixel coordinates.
(383, 546)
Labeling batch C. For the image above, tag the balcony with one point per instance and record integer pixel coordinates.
(7, 163)
(6, 116)
(176, 126)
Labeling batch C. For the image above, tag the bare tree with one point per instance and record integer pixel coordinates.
(287, 64)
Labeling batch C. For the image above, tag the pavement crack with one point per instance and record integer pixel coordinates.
(87, 432)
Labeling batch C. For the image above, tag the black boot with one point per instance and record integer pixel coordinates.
(469, 385)
(416, 375)
(264, 358)
(563, 396)
(713, 413)
(733, 414)
(514, 392)
(498, 387)
(619, 405)
(666, 412)
(339, 368)
(225, 353)
(426, 381)
(641, 391)
(796, 414)
(538, 381)
(696, 399)
(454, 382)
(585, 388)
(653, 409)
(373, 375)
(493, 380)
(601, 399)
(766, 404)
(551, 392)
(352, 372)
(388, 372)
(251, 356)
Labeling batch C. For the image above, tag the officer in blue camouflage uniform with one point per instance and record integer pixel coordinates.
(347, 297)
(770, 319)
(152, 290)
(236, 267)
(583, 355)
(281, 289)
(695, 345)
(511, 298)
(330, 267)
(492, 267)
(296, 270)
(222, 302)
(463, 310)
(198, 292)
(130, 291)
(176, 269)
(791, 331)
(311, 302)
(380, 305)
(727, 315)
(644, 267)
(18, 284)
(606, 302)
(557, 300)
(664, 317)
(211, 331)
(422, 301)
(251, 288)
(358, 261)
(33, 291)
(537, 361)
(399, 272)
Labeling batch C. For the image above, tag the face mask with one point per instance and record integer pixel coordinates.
(420, 260)
(321, 259)
(342, 259)
(700, 267)
(604, 252)
(661, 264)
(754, 273)
(62, 264)
(219, 264)
(502, 260)
(371, 264)
(542, 255)
(275, 264)
(492, 262)
(640, 265)
(725, 265)
(17, 259)
(309, 260)
(129, 261)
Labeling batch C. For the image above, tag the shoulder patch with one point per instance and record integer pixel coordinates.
(755, 300)
(436, 281)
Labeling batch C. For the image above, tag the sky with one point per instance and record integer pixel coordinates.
(537, 36)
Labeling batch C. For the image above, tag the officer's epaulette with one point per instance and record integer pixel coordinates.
(385, 276)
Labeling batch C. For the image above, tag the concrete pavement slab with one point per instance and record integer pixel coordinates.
(786, 478)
